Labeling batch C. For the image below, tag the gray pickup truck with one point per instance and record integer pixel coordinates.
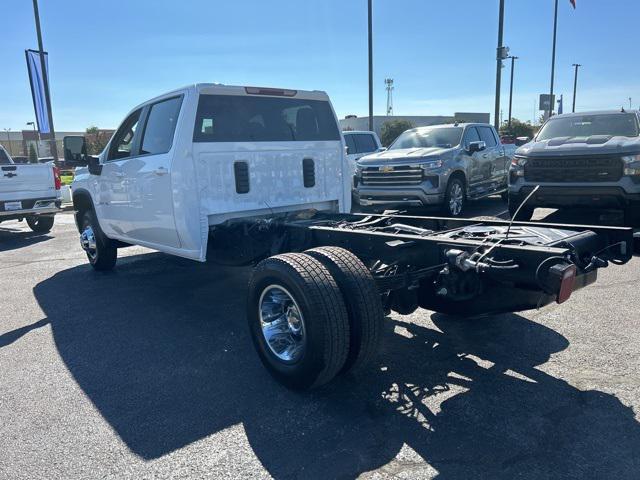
(589, 160)
(439, 165)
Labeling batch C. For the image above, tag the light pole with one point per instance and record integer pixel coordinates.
(33, 124)
(575, 86)
(9, 141)
(500, 55)
(553, 58)
(513, 64)
(370, 30)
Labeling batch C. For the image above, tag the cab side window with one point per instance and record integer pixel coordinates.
(487, 136)
(351, 145)
(122, 142)
(160, 126)
(365, 143)
(470, 135)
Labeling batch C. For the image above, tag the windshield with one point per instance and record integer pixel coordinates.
(612, 124)
(443, 137)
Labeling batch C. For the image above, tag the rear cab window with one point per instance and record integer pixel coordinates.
(239, 118)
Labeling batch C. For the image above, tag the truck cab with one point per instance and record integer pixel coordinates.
(206, 154)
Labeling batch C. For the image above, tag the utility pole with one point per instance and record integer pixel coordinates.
(45, 82)
(9, 141)
(499, 57)
(513, 63)
(630, 103)
(575, 85)
(553, 58)
(370, 28)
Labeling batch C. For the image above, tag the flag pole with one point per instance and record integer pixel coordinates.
(553, 58)
(499, 54)
(45, 82)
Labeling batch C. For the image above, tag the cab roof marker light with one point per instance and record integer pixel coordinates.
(279, 92)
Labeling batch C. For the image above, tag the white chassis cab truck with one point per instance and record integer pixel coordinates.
(248, 175)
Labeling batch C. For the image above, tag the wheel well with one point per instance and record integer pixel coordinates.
(459, 174)
(81, 203)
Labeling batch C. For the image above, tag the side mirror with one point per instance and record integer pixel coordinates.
(476, 146)
(522, 140)
(75, 150)
(382, 149)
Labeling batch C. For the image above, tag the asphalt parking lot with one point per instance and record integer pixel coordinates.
(149, 372)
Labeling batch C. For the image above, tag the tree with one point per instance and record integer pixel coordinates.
(518, 128)
(97, 139)
(392, 129)
(33, 156)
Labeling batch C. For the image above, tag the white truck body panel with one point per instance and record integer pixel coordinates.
(168, 201)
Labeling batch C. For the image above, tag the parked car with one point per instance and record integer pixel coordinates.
(439, 165)
(28, 192)
(244, 175)
(589, 160)
(360, 143)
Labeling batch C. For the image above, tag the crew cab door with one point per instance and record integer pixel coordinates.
(476, 170)
(137, 177)
(496, 161)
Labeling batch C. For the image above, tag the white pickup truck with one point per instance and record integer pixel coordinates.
(30, 192)
(247, 175)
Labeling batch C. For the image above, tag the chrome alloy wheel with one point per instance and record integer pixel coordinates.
(456, 197)
(282, 323)
(88, 242)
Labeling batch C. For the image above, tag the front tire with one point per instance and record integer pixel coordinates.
(455, 198)
(298, 320)
(101, 252)
(40, 223)
(362, 300)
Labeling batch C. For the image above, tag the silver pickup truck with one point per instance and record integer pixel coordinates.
(589, 160)
(442, 165)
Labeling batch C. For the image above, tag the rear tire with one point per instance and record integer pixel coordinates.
(298, 320)
(101, 252)
(455, 198)
(362, 300)
(40, 223)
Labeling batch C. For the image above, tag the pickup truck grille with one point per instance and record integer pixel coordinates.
(573, 169)
(396, 175)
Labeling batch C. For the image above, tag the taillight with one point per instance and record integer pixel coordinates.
(56, 178)
(564, 276)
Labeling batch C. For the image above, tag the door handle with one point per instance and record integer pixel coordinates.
(160, 171)
(117, 174)
(485, 155)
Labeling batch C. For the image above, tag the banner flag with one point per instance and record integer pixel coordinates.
(37, 88)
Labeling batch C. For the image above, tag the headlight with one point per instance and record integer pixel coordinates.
(631, 164)
(431, 164)
(518, 161)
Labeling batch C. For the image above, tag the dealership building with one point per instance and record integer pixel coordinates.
(352, 122)
(17, 144)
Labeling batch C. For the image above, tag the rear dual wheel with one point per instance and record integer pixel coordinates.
(313, 316)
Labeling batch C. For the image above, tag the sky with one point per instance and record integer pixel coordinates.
(105, 57)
